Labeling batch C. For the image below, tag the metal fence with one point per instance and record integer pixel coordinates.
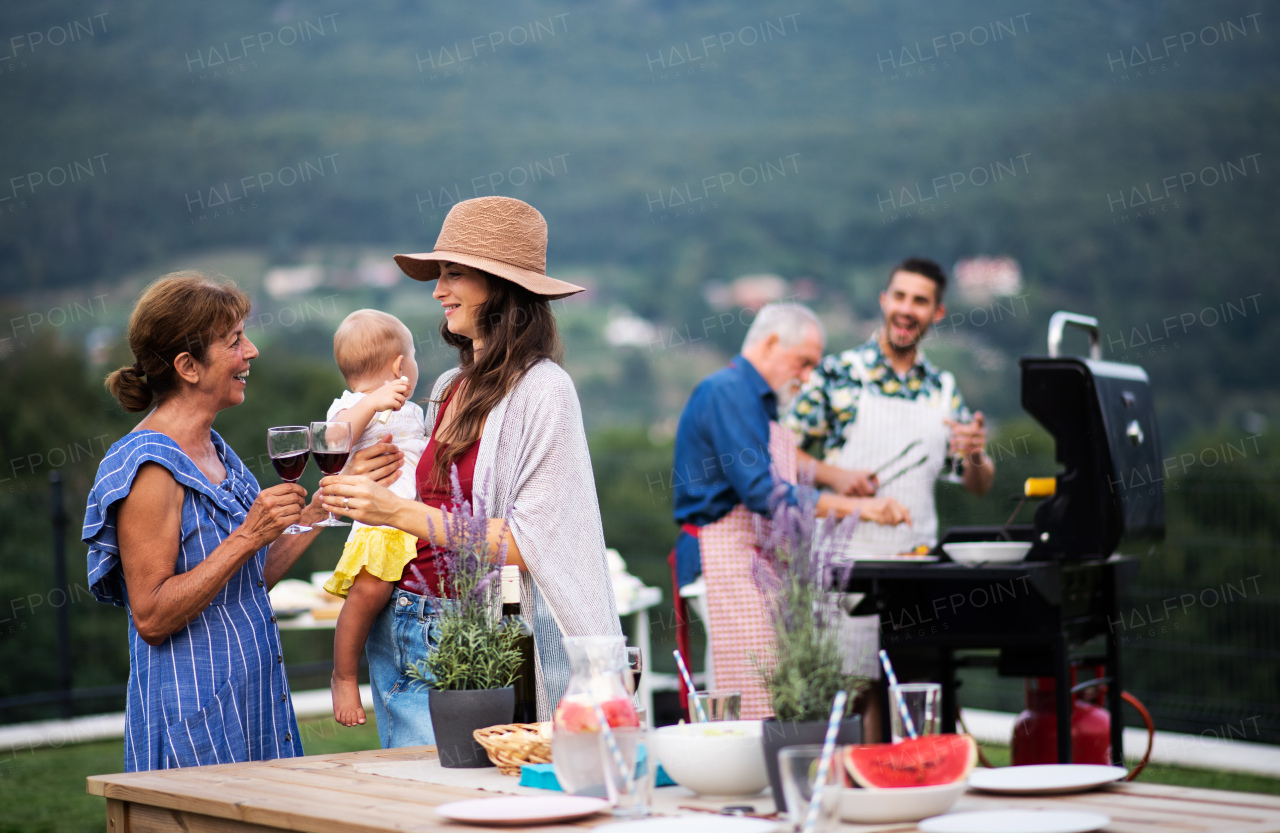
(1202, 637)
(1200, 626)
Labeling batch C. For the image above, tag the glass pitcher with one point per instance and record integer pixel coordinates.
(596, 664)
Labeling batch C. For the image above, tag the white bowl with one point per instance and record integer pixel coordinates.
(713, 758)
(987, 552)
(898, 803)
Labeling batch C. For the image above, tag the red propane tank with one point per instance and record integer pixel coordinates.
(1035, 734)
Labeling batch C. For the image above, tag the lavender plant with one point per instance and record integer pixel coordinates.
(478, 648)
(795, 570)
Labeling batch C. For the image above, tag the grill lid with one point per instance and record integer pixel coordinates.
(1102, 419)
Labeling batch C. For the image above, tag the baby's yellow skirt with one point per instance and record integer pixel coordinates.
(381, 551)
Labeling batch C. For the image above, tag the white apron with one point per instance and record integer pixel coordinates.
(883, 427)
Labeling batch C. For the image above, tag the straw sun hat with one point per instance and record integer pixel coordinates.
(500, 235)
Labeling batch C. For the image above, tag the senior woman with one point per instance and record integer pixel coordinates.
(180, 535)
(508, 417)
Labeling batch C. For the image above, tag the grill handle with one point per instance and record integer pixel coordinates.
(1088, 323)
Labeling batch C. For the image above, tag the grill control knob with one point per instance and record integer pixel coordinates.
(1134, 433)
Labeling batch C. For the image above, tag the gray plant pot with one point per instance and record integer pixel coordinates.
(456, 714)
(779, 735)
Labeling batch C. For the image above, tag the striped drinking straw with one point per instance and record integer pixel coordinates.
(902, 704)
(615, 752)
(688, 681)
(824, 761)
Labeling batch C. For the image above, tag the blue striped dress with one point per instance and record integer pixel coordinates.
(215, 692)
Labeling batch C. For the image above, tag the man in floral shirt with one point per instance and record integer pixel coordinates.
(883, 407)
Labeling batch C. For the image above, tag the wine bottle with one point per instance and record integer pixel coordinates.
(526, 684)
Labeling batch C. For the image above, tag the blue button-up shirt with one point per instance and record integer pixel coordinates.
(722, 455)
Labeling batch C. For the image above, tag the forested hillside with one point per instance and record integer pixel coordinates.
(677, 144)
(1122, 153)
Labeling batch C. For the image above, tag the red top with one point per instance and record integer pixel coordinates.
(439, 496)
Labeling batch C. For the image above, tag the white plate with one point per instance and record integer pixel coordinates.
(878, 557)
(695, 823)
(1016, 821)
(522, 809)
(987, 552)
(1045, 779)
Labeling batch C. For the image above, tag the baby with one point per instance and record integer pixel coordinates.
(375, 353)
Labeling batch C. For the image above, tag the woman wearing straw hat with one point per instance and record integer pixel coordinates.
(508, 417)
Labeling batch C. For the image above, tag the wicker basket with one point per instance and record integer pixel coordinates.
(513, 744)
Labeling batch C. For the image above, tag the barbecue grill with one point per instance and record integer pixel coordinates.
(1058, 608)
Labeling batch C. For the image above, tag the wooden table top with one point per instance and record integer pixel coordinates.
(325, 794)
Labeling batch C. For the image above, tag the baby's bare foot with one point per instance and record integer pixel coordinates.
(346, 702)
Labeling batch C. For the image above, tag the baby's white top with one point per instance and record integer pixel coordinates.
(408, 429)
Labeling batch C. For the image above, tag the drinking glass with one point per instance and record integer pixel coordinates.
(798, 770)
(717, 705)
(951, 466)
(923, 702)
(630, 789)
(288, 447)
(331, 446)
(950, 470)
(635, 666)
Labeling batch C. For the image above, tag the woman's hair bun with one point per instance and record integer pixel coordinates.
(129, 387)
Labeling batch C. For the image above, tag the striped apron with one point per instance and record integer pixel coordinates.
(740, 633)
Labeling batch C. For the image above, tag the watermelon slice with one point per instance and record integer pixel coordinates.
(581, 717)
(922, 762)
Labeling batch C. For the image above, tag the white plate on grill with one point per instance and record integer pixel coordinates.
(987, 552)
(880, 558)
(1045, 779)
(1016, 821)
(871, 552)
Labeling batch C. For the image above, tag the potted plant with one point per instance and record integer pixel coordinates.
(794, 570)
(471, 673)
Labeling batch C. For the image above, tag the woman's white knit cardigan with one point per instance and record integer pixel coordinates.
(533, 467)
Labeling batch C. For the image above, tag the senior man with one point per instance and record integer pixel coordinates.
(729, 447)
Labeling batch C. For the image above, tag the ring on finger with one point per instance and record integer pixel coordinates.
(346, 503)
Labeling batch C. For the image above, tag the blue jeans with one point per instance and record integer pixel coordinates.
(404, 632)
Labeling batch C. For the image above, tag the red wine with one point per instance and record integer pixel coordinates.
(290, 467)
(331, 462)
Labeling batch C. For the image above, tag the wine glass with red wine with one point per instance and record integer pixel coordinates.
(635, 667)
(289, 446)
(331, 446)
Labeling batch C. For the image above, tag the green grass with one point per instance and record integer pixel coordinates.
(42, 791)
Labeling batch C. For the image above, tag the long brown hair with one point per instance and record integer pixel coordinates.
(518, 330)
(182, 312)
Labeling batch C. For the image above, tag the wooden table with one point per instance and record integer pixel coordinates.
(325, 794)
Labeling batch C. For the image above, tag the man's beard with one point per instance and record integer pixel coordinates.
(787, 394)
(917, 332)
